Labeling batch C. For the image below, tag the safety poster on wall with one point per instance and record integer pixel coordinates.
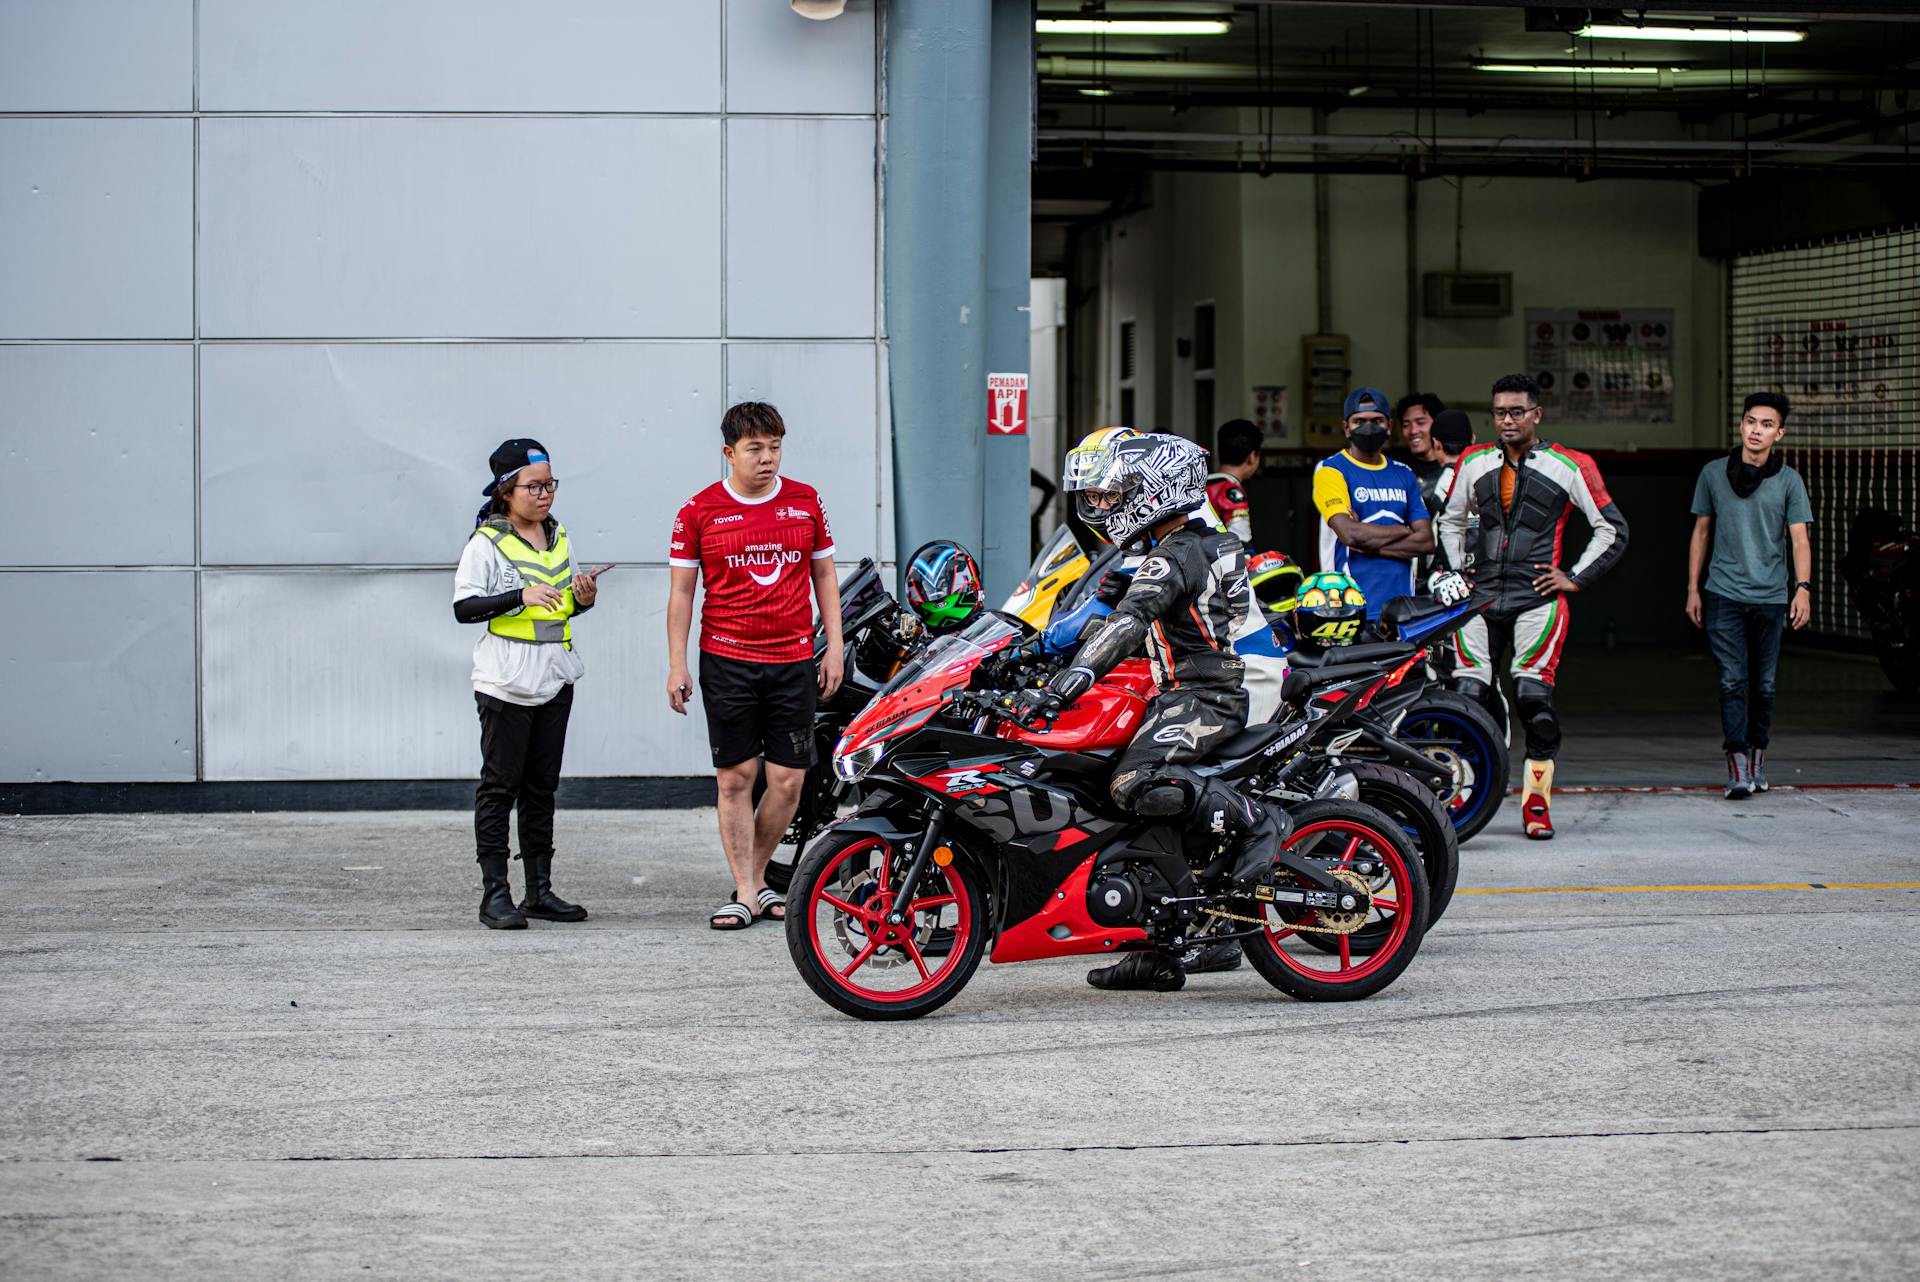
(1601, 363)
(1843, 376)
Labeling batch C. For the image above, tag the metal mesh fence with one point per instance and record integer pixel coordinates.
(1834, 326)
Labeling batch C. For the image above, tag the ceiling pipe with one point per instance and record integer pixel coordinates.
(1065, 67)
(1404, 142)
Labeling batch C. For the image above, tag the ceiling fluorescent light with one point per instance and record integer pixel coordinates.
(1715, 35)
(1098, 93)
(1132, 27)
(1568, 68)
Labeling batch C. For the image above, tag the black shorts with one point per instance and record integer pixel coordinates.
(759, 710)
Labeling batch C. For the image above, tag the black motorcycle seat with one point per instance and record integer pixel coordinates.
(1403, 610)
(1245, 743)
(1369, 652)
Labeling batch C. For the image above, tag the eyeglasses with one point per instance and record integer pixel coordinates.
(537, 488)
(1504, 415)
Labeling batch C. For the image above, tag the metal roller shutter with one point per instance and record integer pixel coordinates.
(1834, 325)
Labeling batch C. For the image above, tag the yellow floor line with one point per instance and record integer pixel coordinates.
(1623, 890)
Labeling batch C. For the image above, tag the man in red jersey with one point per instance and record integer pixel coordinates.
(754, 541)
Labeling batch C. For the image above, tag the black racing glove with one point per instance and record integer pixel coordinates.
(1045, 704)
(1113, 586)
(1033, 707)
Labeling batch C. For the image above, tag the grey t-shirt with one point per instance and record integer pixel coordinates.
(1751, 561)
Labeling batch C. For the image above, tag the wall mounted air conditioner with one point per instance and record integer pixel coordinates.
(1461, 295)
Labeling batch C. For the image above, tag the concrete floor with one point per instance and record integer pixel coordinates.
(279, 1045)
(1641, 716)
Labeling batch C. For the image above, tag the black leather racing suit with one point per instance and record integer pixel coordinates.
(1188, 599)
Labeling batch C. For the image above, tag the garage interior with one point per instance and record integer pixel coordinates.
(1243, 210)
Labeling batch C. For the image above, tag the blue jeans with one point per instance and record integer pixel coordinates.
(1745, 640)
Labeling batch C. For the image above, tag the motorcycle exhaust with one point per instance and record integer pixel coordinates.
(1340, 784)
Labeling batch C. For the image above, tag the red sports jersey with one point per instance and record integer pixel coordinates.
(754, 558)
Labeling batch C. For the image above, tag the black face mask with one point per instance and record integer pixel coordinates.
(1368, 438)
(1744, 477)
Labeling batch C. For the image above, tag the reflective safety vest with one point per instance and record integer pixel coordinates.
(536, 625)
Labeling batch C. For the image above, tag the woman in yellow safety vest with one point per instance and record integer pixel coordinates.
(517, 577)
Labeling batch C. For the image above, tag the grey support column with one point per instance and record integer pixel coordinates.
(1009, 269)
(936, 256)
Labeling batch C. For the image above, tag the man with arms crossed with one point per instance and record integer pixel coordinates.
(755, 541)
(1373, 522)
(1750, 506)
(1523, 491)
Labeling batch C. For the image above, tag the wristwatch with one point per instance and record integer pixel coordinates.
(1804, 584)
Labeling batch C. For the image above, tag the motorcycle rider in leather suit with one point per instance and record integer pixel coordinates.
(1186, 602)
(1523, 492)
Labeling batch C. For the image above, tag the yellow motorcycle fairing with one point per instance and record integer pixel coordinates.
(1058, 566)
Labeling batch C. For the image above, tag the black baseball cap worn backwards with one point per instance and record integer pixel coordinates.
(513, 455)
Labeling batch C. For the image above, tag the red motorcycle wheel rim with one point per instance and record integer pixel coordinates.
(1348, 972)
(945, 889)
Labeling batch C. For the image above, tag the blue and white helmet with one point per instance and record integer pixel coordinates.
(1140, 481)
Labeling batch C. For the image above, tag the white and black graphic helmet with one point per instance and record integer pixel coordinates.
(1137, 482)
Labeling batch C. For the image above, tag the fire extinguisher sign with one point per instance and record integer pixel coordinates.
(1006, 405)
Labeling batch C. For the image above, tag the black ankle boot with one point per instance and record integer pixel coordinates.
(1256, 831)
(541, 902)
(1157, 971)
(496, 896)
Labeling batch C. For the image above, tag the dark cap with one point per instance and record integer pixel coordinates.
(1364, 399)
(1454, 430)
(511, 457)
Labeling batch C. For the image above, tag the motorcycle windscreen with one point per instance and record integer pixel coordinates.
(920, 688)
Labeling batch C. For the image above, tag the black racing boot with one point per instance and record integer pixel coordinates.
(496, 896)
(1210, 955)
(1256, 831)
(541, 902)
(1157, 971)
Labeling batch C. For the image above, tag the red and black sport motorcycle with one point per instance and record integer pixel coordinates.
(1004, 835)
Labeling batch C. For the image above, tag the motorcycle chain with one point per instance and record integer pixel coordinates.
(1343, 923)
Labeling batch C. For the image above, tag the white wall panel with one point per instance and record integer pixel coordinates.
(376, 453)
(336, 676)
(96, 55)
(98, 219)
(459, 55)
(621, 724)
(778, 61)
(106, 434)
(103, 691)
(826, 394)
(459, 228)
(800, 228)
(367, 676)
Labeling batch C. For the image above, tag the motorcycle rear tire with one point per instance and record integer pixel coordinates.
(1380, 971)
(1412, 805)
(801, 931)
(1457, 709)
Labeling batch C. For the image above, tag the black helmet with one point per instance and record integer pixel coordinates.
(1329, 610)
(943, 585)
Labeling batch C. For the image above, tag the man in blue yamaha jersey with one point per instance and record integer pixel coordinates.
(1374, 523)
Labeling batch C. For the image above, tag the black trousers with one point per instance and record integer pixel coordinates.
(520, 751)
(1180, 729)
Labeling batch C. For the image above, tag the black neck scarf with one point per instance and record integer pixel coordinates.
(1744, 477)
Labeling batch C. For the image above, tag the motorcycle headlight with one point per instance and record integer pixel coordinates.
(851, 767)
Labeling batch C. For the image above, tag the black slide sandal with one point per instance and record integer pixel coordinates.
(732, 915)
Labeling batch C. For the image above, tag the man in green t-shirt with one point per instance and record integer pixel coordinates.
(1751, 507)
